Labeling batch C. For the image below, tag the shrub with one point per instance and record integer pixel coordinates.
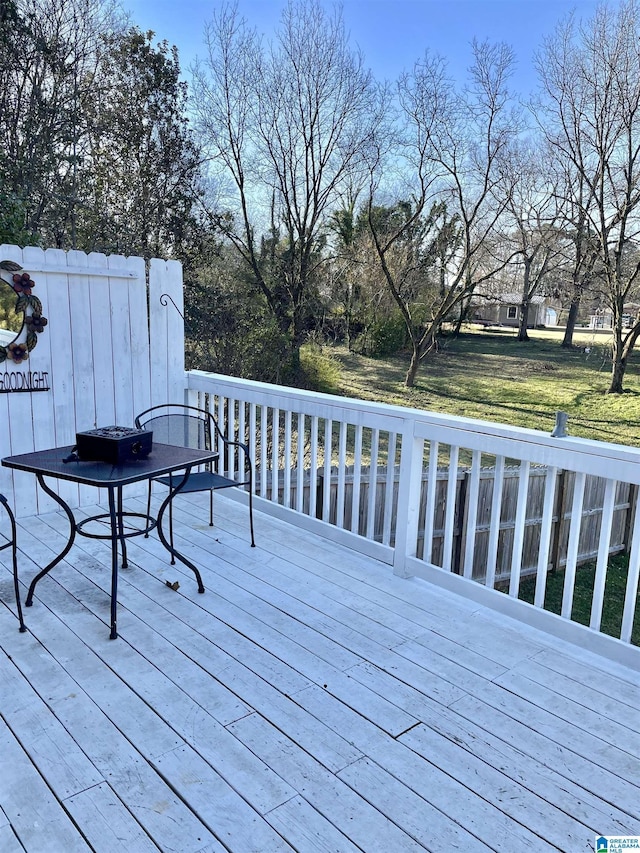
(319, 370)
(383, 337)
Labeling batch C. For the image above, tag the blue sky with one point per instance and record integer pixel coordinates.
(392, 34)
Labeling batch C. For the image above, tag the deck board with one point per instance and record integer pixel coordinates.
(308, 701)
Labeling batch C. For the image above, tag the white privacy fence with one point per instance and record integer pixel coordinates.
(470, 505)
(109, 349)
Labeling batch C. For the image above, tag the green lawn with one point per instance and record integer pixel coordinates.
(581, 610)
(489, 375)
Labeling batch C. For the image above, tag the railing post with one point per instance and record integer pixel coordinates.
(457, 564)
(629, 516)
(409, 488)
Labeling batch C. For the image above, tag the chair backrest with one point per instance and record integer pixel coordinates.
(185, 426)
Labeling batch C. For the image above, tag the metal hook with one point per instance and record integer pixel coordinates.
(163, 301)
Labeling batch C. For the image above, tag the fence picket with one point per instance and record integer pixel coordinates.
(389, 490)
(313, 469)
(326, 491)
(287, 462)
(519, 528)
(574, 543)
(494, 529)
(373, 489)
(633, 576)
(471, 514)
(603, 555)
(275, 440)
(430, 508)
(546, 530)
(264, 444)
(357, 474)
(450, 508)
(342, 472)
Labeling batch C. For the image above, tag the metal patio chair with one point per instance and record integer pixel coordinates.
(189, 426)
(11, 542)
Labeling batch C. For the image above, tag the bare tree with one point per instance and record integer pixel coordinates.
(590, 74)
(453, 146)
(532, 223)
(288, 125)
(577, 273)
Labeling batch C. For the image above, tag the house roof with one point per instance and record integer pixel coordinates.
(508, 298)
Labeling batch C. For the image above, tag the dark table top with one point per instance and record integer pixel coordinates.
(163, 459)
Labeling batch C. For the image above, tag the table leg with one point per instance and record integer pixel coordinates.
(65, 550)
(173, 491)
(121, 536)
(116, 531)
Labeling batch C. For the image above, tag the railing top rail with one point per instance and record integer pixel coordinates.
(602, 459)
(337, 408)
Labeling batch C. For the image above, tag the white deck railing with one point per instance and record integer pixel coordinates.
(468, 504)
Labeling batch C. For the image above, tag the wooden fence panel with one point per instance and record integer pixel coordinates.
(341, 514)
(96, 352)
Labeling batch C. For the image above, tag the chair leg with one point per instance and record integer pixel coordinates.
(16, 586)
(146, 535)
(211, 508)
(253, 541)
(14, 560)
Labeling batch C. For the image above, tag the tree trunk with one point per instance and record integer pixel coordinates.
(567, 341)
(618, 354)
(462, 316)
(413, 368)
(622, 349)
(523, 335)
(617, 376)
(420, 348)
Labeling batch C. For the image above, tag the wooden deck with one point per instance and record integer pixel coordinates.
(308, 701)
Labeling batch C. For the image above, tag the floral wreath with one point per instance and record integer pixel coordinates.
(31, 308)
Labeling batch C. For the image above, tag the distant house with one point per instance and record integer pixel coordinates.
(504, 310)
(602, 318)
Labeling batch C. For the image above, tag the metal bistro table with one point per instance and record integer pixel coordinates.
(163, 459)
